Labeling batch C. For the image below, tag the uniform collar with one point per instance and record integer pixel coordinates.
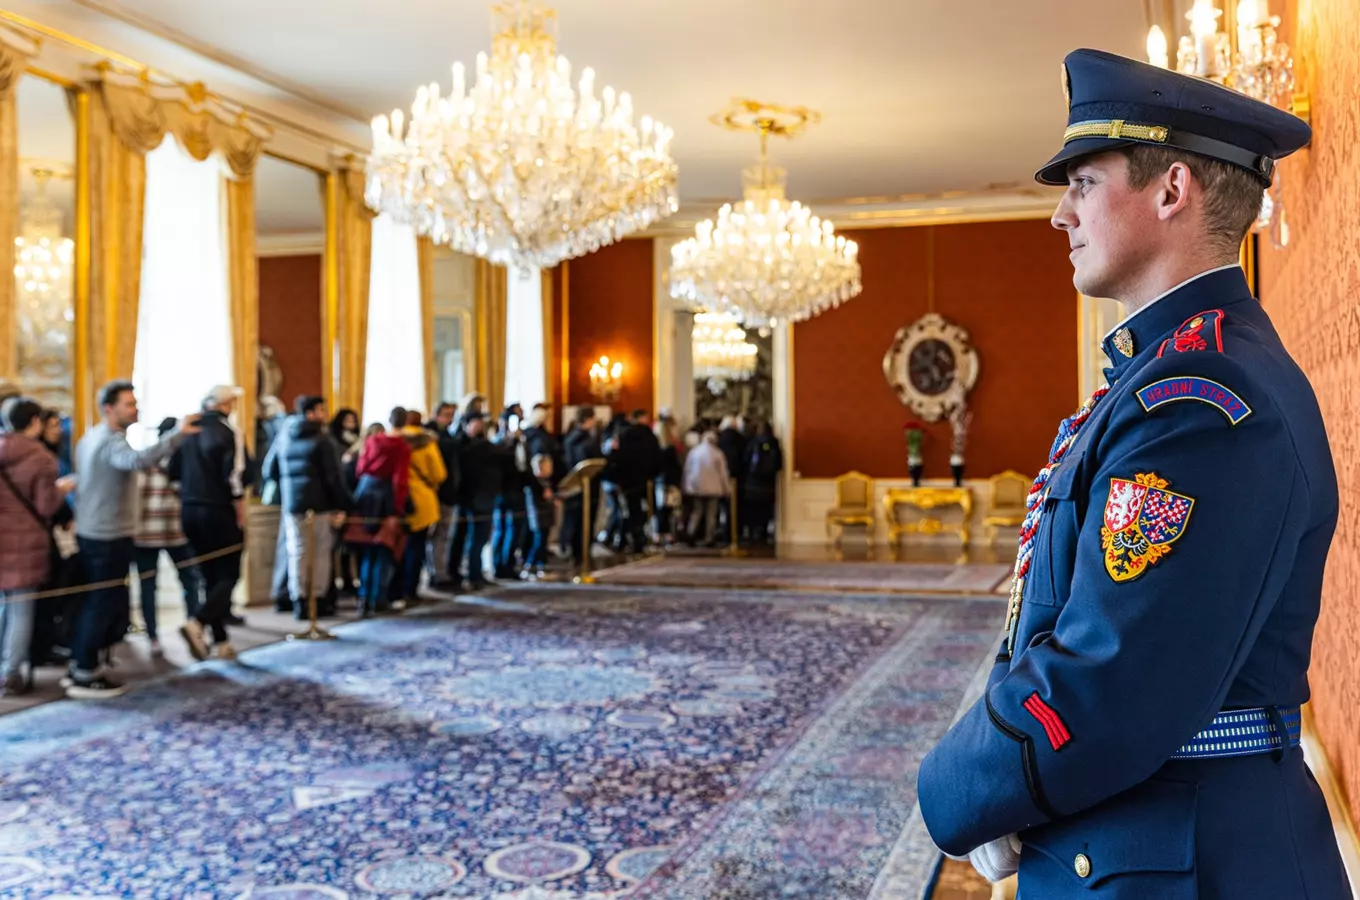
(1146, 329)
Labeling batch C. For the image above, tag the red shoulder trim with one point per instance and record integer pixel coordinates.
(1190, 337)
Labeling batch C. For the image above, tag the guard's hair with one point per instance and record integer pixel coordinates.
(1232, 195)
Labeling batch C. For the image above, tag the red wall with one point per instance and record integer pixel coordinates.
(290, 320)
(610, 313)
(1009, 284)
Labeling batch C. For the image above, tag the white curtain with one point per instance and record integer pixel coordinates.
(394, 374)
(525, 378)
(184, 313)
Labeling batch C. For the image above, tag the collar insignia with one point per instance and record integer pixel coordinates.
(1123, 342)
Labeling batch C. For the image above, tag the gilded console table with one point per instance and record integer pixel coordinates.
(926, 499)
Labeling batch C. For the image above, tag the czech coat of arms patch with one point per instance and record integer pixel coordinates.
(1142, 520)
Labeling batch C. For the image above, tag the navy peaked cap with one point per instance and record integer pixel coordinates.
(1114, 102)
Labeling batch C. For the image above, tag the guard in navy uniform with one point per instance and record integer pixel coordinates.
(1139, 733)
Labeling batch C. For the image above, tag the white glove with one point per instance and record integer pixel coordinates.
(997, 860)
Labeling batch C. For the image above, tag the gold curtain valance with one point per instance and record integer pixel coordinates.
(16, 49)
(141, 112)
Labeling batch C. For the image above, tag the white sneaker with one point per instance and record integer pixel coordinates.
(193, 636)
(225, 652)
(97, 688)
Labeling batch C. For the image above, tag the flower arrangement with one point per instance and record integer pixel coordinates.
(915, 433)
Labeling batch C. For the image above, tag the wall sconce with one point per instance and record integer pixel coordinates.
(1247, 56)
(606, 380)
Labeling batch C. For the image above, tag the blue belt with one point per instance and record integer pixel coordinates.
(1243, 732)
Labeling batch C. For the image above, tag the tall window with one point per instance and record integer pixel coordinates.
(525, 375)
(184, 339)
(394, 367)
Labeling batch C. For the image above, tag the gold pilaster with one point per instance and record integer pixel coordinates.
(82, 384)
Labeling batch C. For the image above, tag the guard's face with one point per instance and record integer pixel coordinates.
(1107, 225)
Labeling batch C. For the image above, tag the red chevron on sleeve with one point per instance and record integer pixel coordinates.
(1057, 732)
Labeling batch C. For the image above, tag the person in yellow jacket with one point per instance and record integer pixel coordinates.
(426, 475)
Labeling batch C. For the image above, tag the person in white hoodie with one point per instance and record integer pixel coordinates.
(707, 480)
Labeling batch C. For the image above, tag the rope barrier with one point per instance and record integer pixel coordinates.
(126, 581)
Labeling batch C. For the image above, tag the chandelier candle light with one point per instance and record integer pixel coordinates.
(606, 380)
(1248, 57)
(766, 260)
(517, 168)
(721, 352)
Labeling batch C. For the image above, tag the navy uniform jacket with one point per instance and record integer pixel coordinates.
(1177, 572)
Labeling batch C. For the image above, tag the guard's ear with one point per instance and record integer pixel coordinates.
(1173, 190)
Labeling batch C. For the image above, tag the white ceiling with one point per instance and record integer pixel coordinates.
(917, 96)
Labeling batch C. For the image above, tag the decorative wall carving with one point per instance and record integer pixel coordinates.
(932, 366)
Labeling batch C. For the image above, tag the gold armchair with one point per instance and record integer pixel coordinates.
(854, 505)
(1006, 505)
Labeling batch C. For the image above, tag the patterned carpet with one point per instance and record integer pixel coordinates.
(878, 577)
(543, 745)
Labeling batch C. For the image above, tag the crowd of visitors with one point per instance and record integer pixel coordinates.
(379, 514)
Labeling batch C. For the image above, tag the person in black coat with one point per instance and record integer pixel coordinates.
(482, 465)
(306, 464)
(764, 462)
(634, 461)
(510, 535)
(211, 467)
(732, 442)
(539, 441)
(580, 445)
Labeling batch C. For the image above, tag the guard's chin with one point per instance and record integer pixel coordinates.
(1088, 283)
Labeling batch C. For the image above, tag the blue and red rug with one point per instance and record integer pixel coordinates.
(675, 570)
(563, 745)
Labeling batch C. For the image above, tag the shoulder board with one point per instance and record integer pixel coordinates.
(1200, 332)
(1183, 388)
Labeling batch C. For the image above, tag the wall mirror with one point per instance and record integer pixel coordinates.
(290, 223)
(45, 246)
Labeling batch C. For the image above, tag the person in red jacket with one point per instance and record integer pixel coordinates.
(384, 471)
(30, 494)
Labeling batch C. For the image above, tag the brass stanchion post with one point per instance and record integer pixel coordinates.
(734, 545)
(584, 577)
(315, 632)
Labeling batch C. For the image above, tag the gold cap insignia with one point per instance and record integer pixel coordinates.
(1067, 87)
(1123, 342)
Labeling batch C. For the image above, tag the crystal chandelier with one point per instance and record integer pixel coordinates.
(1248, 57)
(721, 352)
(517, 168)
(766, 260)
(43, 259)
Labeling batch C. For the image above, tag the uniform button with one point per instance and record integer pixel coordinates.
(1082, 865)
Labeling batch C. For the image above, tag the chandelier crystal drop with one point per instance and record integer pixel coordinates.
(1248, 57)
(517, 167)
(721, 352)
(766, 260)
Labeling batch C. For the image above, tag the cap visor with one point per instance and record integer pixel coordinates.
(1055, 170)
